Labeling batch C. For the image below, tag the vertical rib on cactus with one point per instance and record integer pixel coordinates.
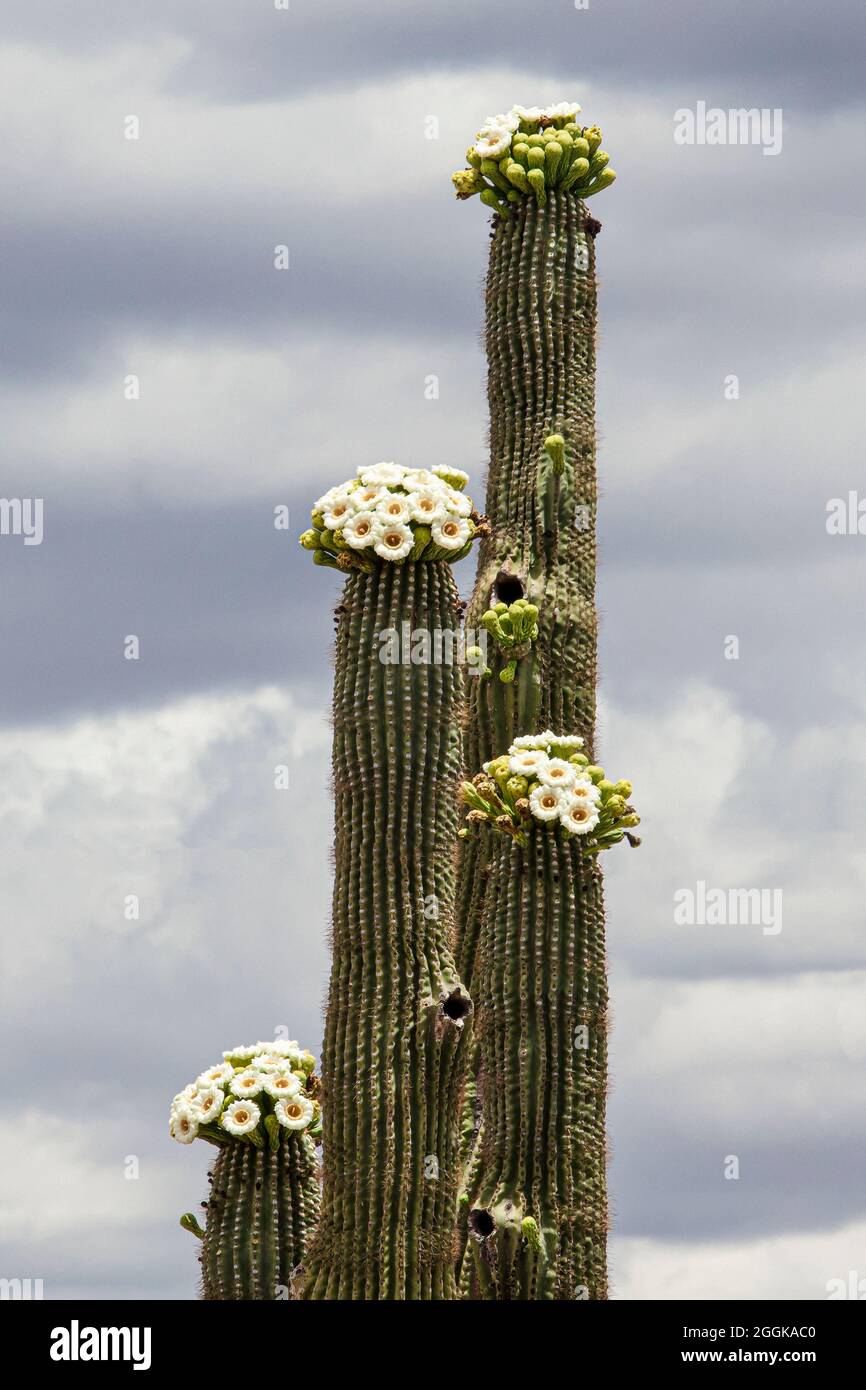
(530, 921)
(391, 1060)
(263, 1206)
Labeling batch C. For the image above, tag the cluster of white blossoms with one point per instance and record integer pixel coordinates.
(252, 1094)
(396, 513)
(494, 137)
(545, 777)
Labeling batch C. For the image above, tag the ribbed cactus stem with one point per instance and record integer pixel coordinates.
(263, 1207)
(530, 921)
(392, 1064)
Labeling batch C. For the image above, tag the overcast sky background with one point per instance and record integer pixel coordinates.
(259, 387)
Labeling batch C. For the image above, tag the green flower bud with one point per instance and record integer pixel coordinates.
(536, 159)
(500, 607)
(473, 158)
(189, 1223)
(577, 172)
(520, 151)
(592, 136)
(630, 820)
(579, 759)
(490, 170)
(615, 804)
(491, 200)
(553, 159)
(554, 447)
(535, 142)
(605, 787)
(516, 175)
(624, 788)
(604, 180)
(318, 520)
(595, 772)
(322, 557)
(598, 162)
(536, 179)
(423, 537)
(310, 540)
(517, 787)
(580, 148)
(467, 182)
(508, 672)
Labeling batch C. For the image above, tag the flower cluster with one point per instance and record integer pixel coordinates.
(513, 627)
(394, 513)
(545, 777)
(529, 150)
(254, 1093)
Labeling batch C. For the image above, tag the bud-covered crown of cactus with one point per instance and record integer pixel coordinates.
(546, 779)
(530, 150)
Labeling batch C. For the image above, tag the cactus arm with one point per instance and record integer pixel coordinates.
(530, 946)
(392, 1060)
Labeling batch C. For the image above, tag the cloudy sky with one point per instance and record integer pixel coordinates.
(153, 258)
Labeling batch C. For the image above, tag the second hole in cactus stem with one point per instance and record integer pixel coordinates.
(507, 588)
(480, 1223)
(456, 1005)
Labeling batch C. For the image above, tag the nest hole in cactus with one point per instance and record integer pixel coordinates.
(456, 1006)
(481, 1223)
(507, 588)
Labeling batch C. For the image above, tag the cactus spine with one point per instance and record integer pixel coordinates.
(391, 1060)
(530, 919)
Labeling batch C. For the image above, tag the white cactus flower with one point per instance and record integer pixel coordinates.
(246, 1083)
(493, 142)
(582, 789)
(364, 498)
(295, 1112)
(445, 472)
(426, 505)
(579, 817)
(338, 511)
(527, 762)
(451, 533)
(386, 474)
(557, 773)
(362, 530)
(183, 1125)
(244, 1053)
(282, 1085)
(394, 506)
(241, 1117)
(208, 1104)
(215, 1076)
(416, 478)
(458, 502)
(394, 542)
(546, 803)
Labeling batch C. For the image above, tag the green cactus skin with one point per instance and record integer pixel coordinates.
(263, 1206)
(392, 1065)
(530, 941)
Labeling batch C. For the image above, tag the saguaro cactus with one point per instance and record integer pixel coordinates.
(396, 1010)
(530, 917)
(260, 1107)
